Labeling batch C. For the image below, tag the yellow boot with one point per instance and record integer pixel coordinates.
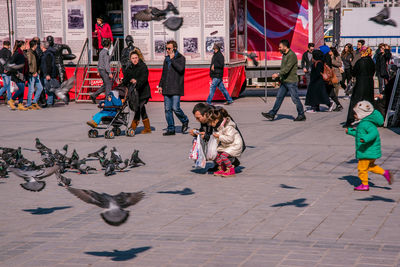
(11, 103)
(21, 107)
(36, 106)
(147, 128)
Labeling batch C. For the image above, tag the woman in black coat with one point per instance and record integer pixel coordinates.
(137, 74)
(316, 93)
(18, 76)
(364, 71)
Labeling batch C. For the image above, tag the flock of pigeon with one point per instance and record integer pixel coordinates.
(58, 162)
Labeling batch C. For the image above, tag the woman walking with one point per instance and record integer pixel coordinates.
(347, 57)
(18, 76)
(137, 74)
(364, 71)
(316, 93)
(337, 66)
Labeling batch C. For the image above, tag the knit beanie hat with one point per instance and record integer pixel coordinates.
(363, 109)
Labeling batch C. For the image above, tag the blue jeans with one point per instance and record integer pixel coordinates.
(216, 82)
(50, 95)
(104, 113)
(31, 87)
(6, 86)
(172, 104)
(294, 94)
(19, 94)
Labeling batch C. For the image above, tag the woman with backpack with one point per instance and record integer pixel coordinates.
(18, 76)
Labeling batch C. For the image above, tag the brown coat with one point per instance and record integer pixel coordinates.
(336, 65)
(31, 62)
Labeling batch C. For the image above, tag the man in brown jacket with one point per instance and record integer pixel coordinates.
(33, 78)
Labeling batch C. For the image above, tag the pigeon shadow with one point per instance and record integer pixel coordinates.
(377, 198)
(44, 211)
(119, 255)
(355, 181)
(288, 186)
(299, 203)
(184, 192)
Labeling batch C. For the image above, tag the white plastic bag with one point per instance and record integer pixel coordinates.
(212, 148)
(194, 152)
(197, 153)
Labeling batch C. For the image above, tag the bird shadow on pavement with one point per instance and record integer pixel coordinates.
(44, 211)
(288, 186)
(119, 255)
(377, 198)
(299, 203)
(184, 192)
(355, 181)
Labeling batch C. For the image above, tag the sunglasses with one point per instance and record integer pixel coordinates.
(169, 48)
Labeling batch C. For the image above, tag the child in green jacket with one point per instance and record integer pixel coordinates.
(368, 143)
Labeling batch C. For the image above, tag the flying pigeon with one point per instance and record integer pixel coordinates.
(41, 147)
(173, 23)
(62, 91)
(62, 180)
(153, 13)
(135, 160)
(113, 213)
(383, 18)
(32, 177)
(110, 169)
(99, 153)
(251, 55)
(10, 66)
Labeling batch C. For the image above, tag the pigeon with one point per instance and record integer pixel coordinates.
(74, 157)
(251, 55)
(62, 91)
(135, 160)
(32, 177)
(113, 205)
(122, 166)
(383, 18)
(110, 169)
(173, 23)
(41, 147)
(10, 66)
(65, 149)
(99, 153)
(3, 169)
(115, 156)
(104, 162)
(62, 180)
(81, 166)
(48, 158)
(153, 13)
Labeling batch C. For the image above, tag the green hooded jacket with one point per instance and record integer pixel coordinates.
(367, 130)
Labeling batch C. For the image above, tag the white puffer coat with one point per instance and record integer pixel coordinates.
(229, 139)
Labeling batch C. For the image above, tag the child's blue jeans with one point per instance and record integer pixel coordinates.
(104, 113)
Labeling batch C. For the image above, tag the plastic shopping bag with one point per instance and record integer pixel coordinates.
(197, 153)
(212, 148)
(201, 159)
(194, 152)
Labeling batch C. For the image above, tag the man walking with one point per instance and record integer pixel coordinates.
(288, 79)
(33, 79)
(104, 70)
(216, 74)
(172, 87)
(5, 55)
(306, 62)
(357, 55)
(49, 71)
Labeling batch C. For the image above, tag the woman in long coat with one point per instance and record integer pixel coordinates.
(364, 71)
(316, 93)
(137, 74)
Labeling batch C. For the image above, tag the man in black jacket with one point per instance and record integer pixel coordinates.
(49, 70)
(216, 74)
(306, 62)
(383, 56)
(5, 55)
(172, 87)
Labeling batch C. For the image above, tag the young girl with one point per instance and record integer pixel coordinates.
(230, 142)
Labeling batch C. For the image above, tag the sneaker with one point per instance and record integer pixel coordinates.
(229, 173)
(168, 133)
(300, 118)
(227, 103)
(388, 176)
(93, 98)
(331, 108)
(268, 115)
(338, 108)
(220, 172)
(362, 187)
(311, 111)
(185, 127)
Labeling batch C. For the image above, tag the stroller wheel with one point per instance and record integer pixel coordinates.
(93, 133)
(117, 131)
(109, 134)
(130, 132)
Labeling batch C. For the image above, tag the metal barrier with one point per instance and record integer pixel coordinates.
(81, 69)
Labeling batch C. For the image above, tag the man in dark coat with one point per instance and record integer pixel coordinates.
(306, 62)
(172, 87)
(216, 74)
(49, 70)
(5, 55)
(383, 57)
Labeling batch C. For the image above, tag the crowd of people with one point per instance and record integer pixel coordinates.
(39, 65)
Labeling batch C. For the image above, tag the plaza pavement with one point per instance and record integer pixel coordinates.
(293, 203)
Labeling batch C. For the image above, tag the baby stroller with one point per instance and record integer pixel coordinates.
(113, 124)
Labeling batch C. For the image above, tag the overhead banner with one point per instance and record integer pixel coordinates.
(76, 32)
(140, 30)
(52, 24)
(26, 19)
(214, 25)
(190, 33)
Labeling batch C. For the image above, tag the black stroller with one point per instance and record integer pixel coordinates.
(113, 124)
